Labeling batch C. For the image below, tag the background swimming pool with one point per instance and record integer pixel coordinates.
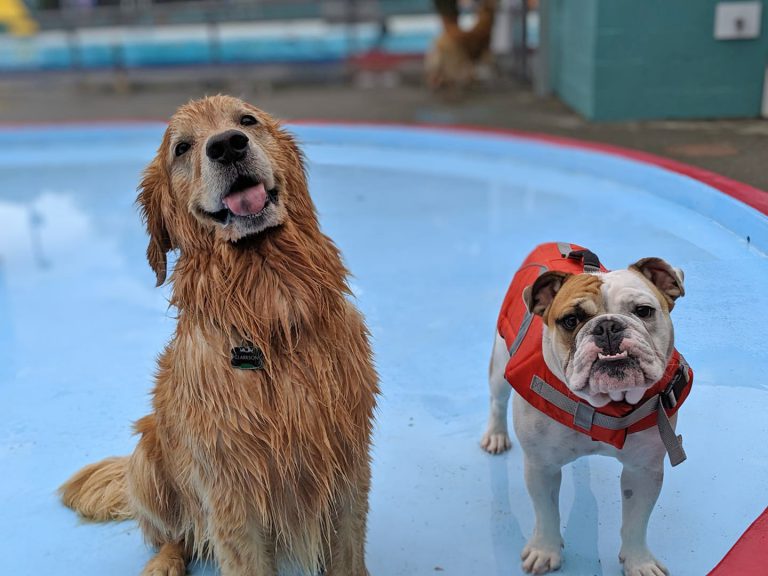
(285, 42)
(398, 33)
(433, 225)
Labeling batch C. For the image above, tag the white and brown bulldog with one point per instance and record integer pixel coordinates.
(608, 338)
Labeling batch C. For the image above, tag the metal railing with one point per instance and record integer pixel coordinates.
(148, 12)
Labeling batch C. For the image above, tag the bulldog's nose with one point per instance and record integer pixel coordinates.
(608, 335)
(227, 147)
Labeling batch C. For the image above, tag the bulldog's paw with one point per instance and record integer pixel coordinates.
(496, 442)
(642, 564)
(541, 558)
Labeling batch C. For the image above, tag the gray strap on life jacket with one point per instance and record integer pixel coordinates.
(525, 324)
(564, 249)
(585, 416)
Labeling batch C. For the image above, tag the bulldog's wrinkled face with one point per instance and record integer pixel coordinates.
(608, 336)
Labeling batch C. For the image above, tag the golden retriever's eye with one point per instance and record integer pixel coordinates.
(181, 148)
(248, 120)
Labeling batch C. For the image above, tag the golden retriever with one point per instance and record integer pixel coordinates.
(452, 59)
(263, 467)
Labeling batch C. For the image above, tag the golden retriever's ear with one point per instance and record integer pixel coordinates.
(294, 173)
(295, 157)
(153, 193)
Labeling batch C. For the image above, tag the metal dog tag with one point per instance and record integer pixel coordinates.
(247, 358)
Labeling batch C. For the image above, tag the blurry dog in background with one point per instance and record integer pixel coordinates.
(452, 60)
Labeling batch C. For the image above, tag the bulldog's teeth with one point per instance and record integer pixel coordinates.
(616, 396)
(619, 356)
(635, 395)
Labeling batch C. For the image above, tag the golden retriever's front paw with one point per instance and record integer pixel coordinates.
(540, 558)
(165, 564)
(496, 442)
(642, 564)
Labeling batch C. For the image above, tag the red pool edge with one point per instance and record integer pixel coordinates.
(748, 557)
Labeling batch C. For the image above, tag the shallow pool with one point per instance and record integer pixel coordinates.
(433, 225)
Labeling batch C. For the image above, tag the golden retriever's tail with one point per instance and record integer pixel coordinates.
(98, 491)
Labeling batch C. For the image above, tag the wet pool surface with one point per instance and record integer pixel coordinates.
(433, 226)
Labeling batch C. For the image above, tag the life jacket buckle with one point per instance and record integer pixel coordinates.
(584, 416)
(669, 396)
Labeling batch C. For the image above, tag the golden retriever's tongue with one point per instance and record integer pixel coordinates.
(247, 202)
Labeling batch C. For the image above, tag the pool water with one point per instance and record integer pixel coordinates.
(290, 43)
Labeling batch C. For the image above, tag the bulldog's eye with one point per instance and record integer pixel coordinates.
(248, 120)
(644, 311)
(569, 322)
(181, 148)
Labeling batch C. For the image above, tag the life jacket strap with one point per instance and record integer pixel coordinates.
(585, 416)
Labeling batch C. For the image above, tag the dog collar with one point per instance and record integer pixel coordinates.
(247, 357)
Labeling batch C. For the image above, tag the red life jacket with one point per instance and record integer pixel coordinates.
(522, 332)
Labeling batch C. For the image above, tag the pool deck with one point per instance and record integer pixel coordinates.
(433, 225)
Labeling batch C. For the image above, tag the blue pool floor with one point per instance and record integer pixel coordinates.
(433, 226)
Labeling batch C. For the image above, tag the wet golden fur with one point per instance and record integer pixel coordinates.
(255, 467)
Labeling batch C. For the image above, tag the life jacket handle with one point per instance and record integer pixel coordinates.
(588, 258)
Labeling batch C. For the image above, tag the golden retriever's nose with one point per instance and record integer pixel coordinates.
(227, 147)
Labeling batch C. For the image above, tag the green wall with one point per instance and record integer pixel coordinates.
(642, 59)
(573, 33)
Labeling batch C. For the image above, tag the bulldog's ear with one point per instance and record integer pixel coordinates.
(540, 295)
(153, 193)
(667, 279)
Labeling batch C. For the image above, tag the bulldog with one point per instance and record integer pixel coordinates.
(594, 366)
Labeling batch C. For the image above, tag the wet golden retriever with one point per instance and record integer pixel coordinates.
(266, 463)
